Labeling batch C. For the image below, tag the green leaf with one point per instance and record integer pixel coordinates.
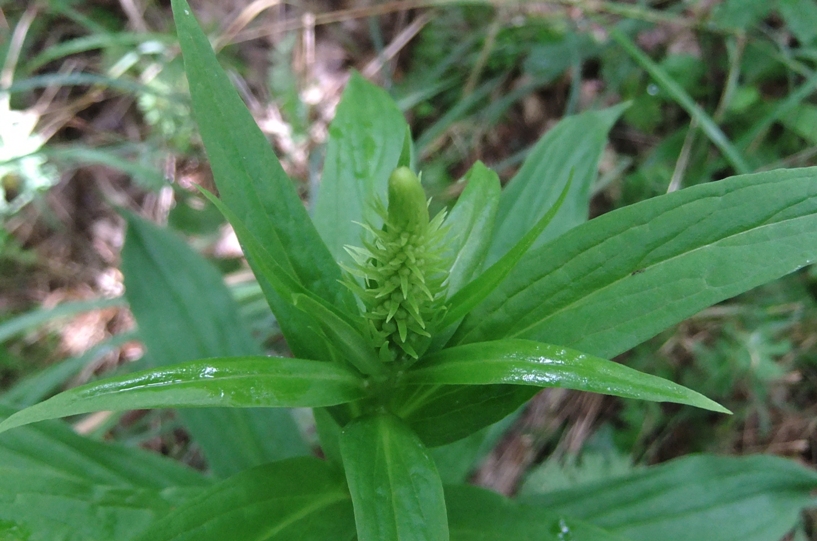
(677, 93)
(113, 41)
(407, 155)
(299, 499)
(470, 225)
(524, 362)
(287, 288)
(237, 382)
(396, 491)
(457, 460)
(52, 447)
(249, 177)
(328, 435)
(353, 347)
(618, 280)
(801, 18)
(36, 318)
(49, 507)
(573, 146)
(753, 498)
(184, 312)
(801, 120)
(741, 14)
(476, 514)
(442, 414)
(366, 140)
(476, 291)
(42, 384)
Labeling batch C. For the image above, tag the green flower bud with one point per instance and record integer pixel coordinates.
(408, 209)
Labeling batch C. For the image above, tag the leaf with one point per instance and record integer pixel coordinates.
(801, 18)
(36, 318)
(442, 414)
(476, 514)
(287, 288)
(249, 177)
(40, 385)
(476, 291)
(573, 146)
(801, 120)
(457, 460)
(184, 312)
(620, 279)
(366, 141)
(328, 435)
(396, 491)
(238, 382)
(49, 507)
(302, 499)
(52, 447)
(354, 348)
(741, 14)
(470, 224)
(524, 362)
(752, 498)
(677, 93)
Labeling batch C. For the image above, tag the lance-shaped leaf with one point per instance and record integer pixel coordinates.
(619, 279)
(442, 414)
(185, 312)
(248, 175)
(475, 292)
(349, 342)
(572, 147)
(52, 447)
(366, 140)
(299, 499)
(281, 280)
(396, 491)
(476, 514)
(42, 506)
(752, 498)
(524, 362)
(238, 382)
(470, 224)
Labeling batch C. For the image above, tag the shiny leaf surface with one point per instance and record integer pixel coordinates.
(241, 382)
(524, 362)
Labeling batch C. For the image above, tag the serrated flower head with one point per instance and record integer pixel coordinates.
(403, 270)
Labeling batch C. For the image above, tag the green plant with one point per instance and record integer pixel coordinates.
(462, 340)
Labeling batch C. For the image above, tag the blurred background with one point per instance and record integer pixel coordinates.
(95, 117)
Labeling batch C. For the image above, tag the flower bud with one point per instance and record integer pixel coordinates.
(408, 210)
